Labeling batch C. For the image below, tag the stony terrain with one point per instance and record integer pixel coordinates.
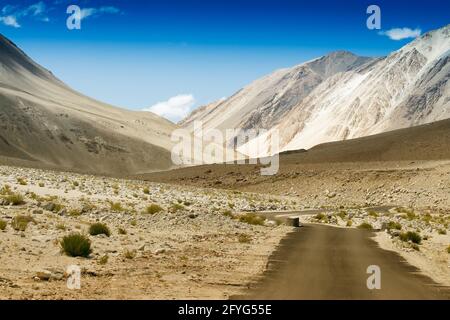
(422, 184)
(406, 196)
(172, 241)
(194, 247)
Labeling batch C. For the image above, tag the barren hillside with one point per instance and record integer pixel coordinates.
(44, 123)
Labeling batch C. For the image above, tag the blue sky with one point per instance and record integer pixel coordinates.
(136, 54)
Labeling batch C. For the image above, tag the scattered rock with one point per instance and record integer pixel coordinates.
(160, 251)
(50, 206)
(44, 275)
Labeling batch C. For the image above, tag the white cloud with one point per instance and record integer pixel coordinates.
(10, 21)
(12, 14)
(35, 9)
(401, 33)
(107, 9)
(88, 12)
(8, 9)
(175, 109)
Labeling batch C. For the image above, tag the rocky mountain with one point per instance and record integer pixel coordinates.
(408, 88)
(45, 123)
(198, 114)
(341, 96)
(263, 103)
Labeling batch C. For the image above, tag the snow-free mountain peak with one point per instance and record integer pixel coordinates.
(342, 96)
(264, 102)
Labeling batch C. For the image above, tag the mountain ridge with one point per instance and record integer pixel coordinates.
(274, 94)
(48, 123)
(406, 88)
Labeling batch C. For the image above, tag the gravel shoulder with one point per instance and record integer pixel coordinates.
(192, 248)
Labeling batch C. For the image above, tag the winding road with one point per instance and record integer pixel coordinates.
(323, 262)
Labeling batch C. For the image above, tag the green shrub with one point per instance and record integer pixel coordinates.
(442, 231)
(410, 215)
(41, 184)
(99, 228)
(175, 207)
(129, 254)
(74, 213)
(2, 225)
(153, 208)
(342, 214)
(54, 207)
(320, 216)
(394, 225)
(252, 219)
(349, 223)
(20, 222)
(244, 238)
(122, 231)
(366, 226)
(373, 214)
(412, 236)
(448, 249)
(6, 190)
(76, 245)
(14, 199)
(103, 259)
(22, 181)
(228, 213)
(427, 217)
(116, 206)
(403, 210)
(146, 191)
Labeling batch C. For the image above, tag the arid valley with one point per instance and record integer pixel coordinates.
(94, 206)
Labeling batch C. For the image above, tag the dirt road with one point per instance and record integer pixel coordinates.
(321, 262)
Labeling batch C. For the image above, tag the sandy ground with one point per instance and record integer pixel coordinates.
(191, 249)
(416, 184)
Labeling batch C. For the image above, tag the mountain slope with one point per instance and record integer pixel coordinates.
(45, 123)
(409, 87)
(263, 103)
(429, 142)
(341, 96)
